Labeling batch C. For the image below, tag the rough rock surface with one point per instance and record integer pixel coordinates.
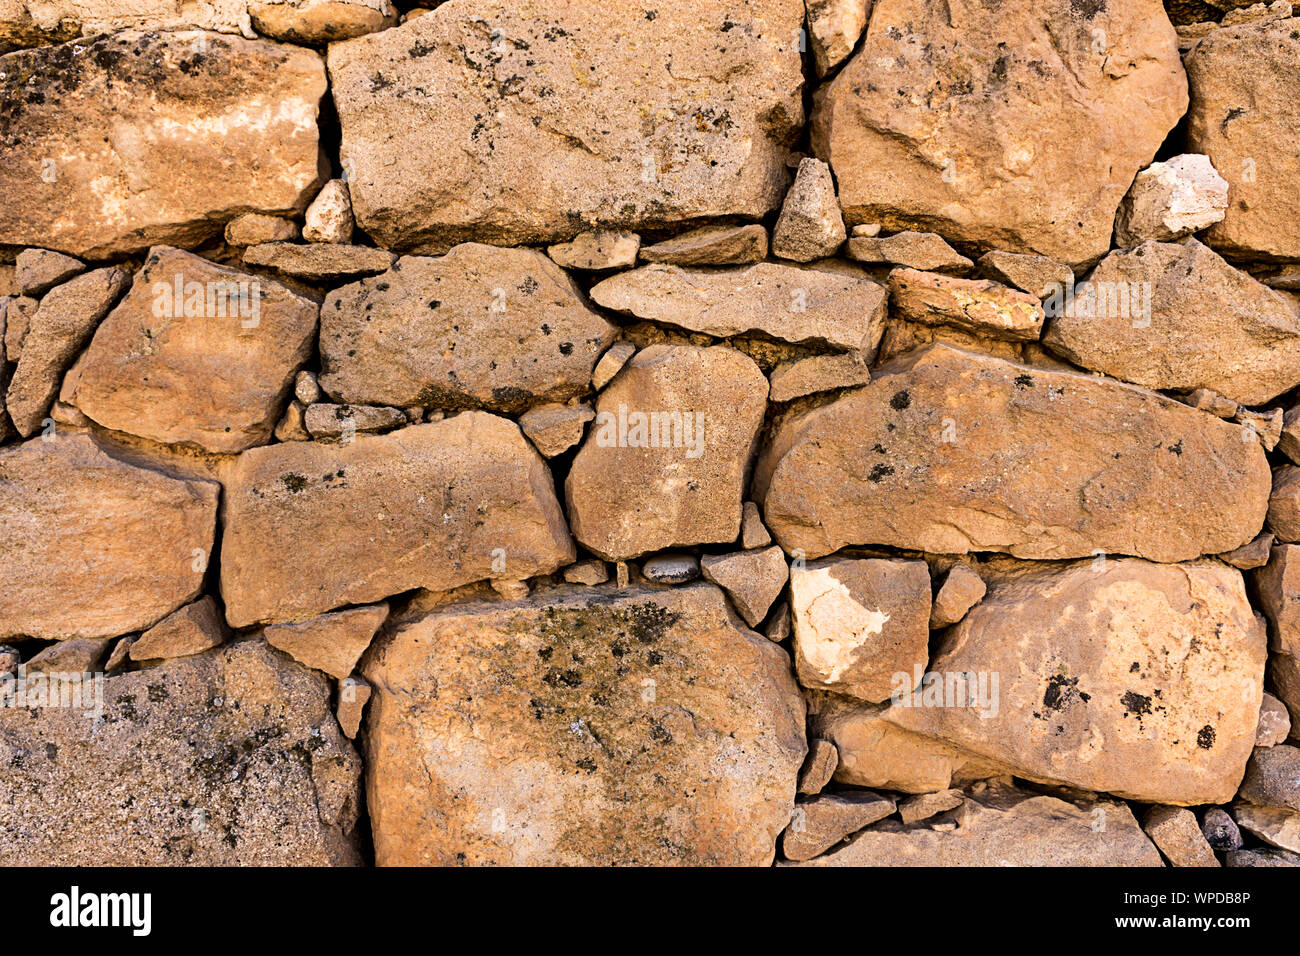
(329, 217)
(319, 261)
(332, 643)
(635, 727)
(597, 250)
(823, 821)
(1170, 200)
(38, 270)
(810, 225)
(711, 246)
(319, 21)
(973, 305)
(962, 589)
(834, 27)
(1175, 831)
(752, 579)
(914, 250)
(189, 630)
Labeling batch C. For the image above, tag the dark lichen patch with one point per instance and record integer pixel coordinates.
(1205, 737)
(900, 401)
(1139, 705)
(879, 472)
(294, 482)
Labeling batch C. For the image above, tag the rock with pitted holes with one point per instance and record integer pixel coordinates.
(664, 463)
(37, 270)
(588, 726)
(195, 354)
(1220, 830)
(949, 452)
(329, 217)
(96, 547)
(527, 124)
(482, 326)
(996, 125)
(1175, 831)
(433, 506)
(227, 758)
(1139, 679)
(177, 133)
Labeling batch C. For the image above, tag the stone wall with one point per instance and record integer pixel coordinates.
(682, 431)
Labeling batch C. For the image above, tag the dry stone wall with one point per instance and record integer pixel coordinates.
(706, 432)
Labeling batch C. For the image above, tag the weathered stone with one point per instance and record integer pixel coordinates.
(326, 421)
(10, 658)
(482, 326)
(1254, 554)
(778, 626)
(320, 21)
(974, 305)
(860, 622)
(176, 134)
(830, 304)
(1284, 671)
(59, 329)
(664, 463)
(34, 22)
(810, 225)
(986, 128)
(1272, 778)
(1278, 587)
(752, 579)
(121, 653)
(210, 367)
(95, 547)
(753, 533)
(354, 694)
(597, 250)
(949, 452)
(1170, 200)
(18, 319)
(1263, 857)
(329, 217)
(611, 363)
(1170, 316)
(191, 629)
(1208, 400)
(589, 573)
(1289, 441)
(817, 373)
(556, 428)
(818, 766)
(438, 157)
(254, 228)
(319, 261)
(711, 246)
(1243, 83)
(1175, 831)
(834, 27)
(306, 388)
(37, 270)
(1279, 828)
(1003, 826)
(1284, 504)
(923, 806)
(291, 426)
(1138, 679)
(1036, 275)
(1274, 722)
(77, 656)
(332, 643)
(580, 746)
(425, 506)
(823, 821)
(671, 569)
(924, 251)
(1220, 830)
(230, 758)
(962, 589)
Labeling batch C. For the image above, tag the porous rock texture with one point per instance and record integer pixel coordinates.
(700, 432)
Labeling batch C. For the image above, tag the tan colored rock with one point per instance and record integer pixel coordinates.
(580, 746)
(951, 452)
(342, 422)
(831, 304)
(834, 27)
(1243, 94)
(671, 569)
(1208, 400)
(1278, 587)
(810, 226)
(1170, 316)
(1138, 679)
(1247, 12)
(1006, 139)
(37, 270)
(329, 217)
(1274, 722)
(691, 121)
(923, 806)
(711, 246)
(1036, 275)
(35, 22)
(191, 629)
(1175, 831)
(818, 766)
(68, 657)
(195, 761)
(354, 694)
(18, 320)
(962, 589)
(177, 133)
(95, 547)
(589, 573)
(974, 305)
(753, 533)
(1272, 778)
(210, 367)
(332, 643)
(664, 463)
(1171, 199)
(1279, 828)
(1251, 555)
(597, 250)
(482, 326)
(320, 21)
(254, 228)
(319, 261)
(823, 821)
(1004, 826)
(120, 655)
(924, 251)
(611, 363)
(1284, 672)
(752, 579)
(292, 426)
(778, 627)
(1289, 441)
(555, 428)
(1284, 504)
(817, 373)
(860, 622)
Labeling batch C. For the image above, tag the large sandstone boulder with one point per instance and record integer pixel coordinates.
(196, 353)
(526, 123)
(480, 327)
(95, 547)
(1177, 316)
(1139, 679)
(310, 527)
(664, 463)
(1013, 126)
(581, 727)
(1245, 115)
(228, 758)
(950, 452)
(176, 133)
